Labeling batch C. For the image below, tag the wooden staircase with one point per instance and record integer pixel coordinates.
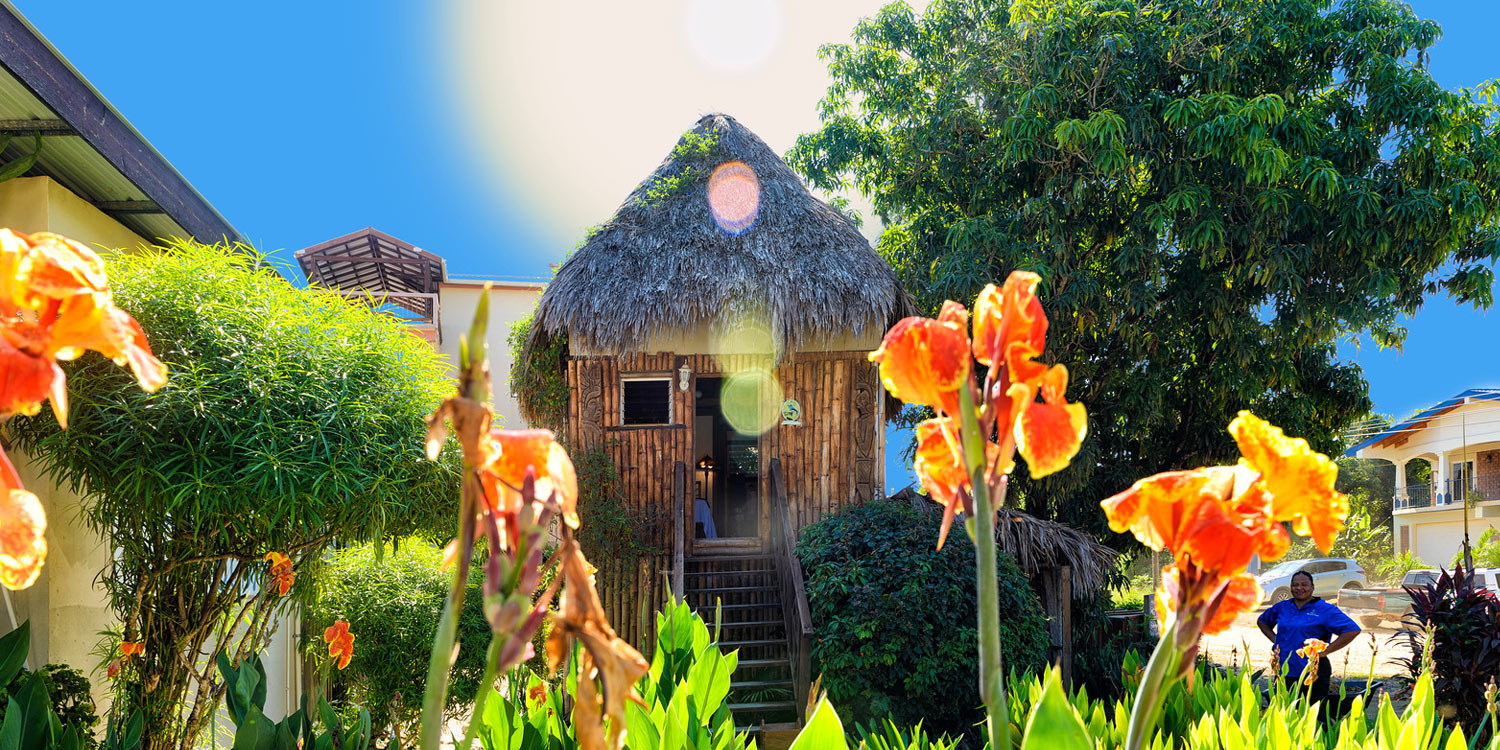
(745, 592)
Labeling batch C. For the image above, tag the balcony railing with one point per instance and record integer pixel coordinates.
(1451, 492)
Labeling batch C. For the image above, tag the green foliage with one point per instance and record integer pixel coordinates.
(1223, 711)
(685, 696)
(1393, 569)
(1213, 194)
(895, 617)
(392, 602)
(30, 701)
(67, 694)
(613, 534)
(1361, 540)
(1457, 634)
(292, 419)
(1486, 550)
(695, 155)
(538, 378)
(888, 736)
(245, 693)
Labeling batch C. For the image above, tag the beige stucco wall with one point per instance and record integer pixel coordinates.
(38, 204)
(508, 304)
(1437, 535)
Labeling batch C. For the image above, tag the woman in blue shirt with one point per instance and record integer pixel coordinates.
(1291, 622)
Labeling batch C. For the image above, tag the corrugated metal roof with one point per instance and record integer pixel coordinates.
(1419, 420)
(75, 160)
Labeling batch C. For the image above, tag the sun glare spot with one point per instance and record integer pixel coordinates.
(734, 196)
(751, 401)
(734, 35)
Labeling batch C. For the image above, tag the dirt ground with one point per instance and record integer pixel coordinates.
(1228, 649)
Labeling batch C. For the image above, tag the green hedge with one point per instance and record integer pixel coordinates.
(894, 617)
(393, 606)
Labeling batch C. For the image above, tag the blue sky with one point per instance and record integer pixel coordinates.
(492, 132)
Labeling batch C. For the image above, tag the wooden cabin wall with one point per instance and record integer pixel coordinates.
(829, 461)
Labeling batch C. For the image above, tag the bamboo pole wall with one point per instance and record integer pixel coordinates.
(830, 460)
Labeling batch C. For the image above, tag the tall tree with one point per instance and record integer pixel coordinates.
(292, 421)
(1214, 193)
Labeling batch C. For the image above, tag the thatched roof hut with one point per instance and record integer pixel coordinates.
(665, 262)
(1038, 544)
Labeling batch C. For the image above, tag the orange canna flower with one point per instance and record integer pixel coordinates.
(1299, 480)
(23, 527)
(129, 650)
(939, 465)
(340, 642)
(514, 452)
(56, 304)
(282, 574)
(1049, 433)
(1214, 519)
(926, 361)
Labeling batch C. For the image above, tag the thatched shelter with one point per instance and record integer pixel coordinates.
(666, 263)
(716, 332)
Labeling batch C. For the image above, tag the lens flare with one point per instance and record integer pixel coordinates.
(734, 196)
(751, 401)
(731, 343)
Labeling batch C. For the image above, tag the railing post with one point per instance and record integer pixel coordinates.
(679, 534)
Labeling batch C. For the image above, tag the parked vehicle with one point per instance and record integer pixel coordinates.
(1386, 606)
(1330, 575)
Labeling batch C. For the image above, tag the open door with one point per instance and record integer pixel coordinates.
(726, 506)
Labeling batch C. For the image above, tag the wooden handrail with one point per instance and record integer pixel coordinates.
(796, 615)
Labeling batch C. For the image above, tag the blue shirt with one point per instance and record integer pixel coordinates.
(1294, 625)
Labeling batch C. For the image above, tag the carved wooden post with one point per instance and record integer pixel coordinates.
(1057, 601)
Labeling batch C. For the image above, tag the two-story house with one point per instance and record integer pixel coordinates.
(1460, 440)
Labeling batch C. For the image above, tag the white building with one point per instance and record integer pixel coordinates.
(1460, 440)
(413, 285)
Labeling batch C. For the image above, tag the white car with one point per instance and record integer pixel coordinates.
(1329, 576)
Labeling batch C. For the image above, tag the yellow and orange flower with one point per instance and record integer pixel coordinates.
(128, 651)
(55, 304)
(340, 642)
(1312, 650)
(23, 527)
(1215, 519)
(924, 361)
(516, 451)
(282, 574)
(941, 472)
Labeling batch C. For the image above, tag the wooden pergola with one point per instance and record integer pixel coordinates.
(381, 270)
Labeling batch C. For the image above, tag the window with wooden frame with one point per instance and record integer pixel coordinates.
(646, 400)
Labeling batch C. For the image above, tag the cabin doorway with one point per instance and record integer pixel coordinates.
(726, 473)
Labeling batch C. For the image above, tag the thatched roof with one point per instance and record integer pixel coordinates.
(664, 263)
(1036, 544)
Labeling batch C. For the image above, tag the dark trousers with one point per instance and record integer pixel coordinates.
(1319, 689)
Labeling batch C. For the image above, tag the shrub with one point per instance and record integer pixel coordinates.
(393, 604)
(1393, 569)
(292, 420)
(1486, 550)
(1458, 640)
(895, 617)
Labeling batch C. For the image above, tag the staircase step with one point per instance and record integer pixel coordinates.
(726, 558)
(780, 726)
(756, 572)
(751, 644)
(759, 684)
(751, 624)
(761, 663)
(707, 610)
(769, 706)
(730, 589)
